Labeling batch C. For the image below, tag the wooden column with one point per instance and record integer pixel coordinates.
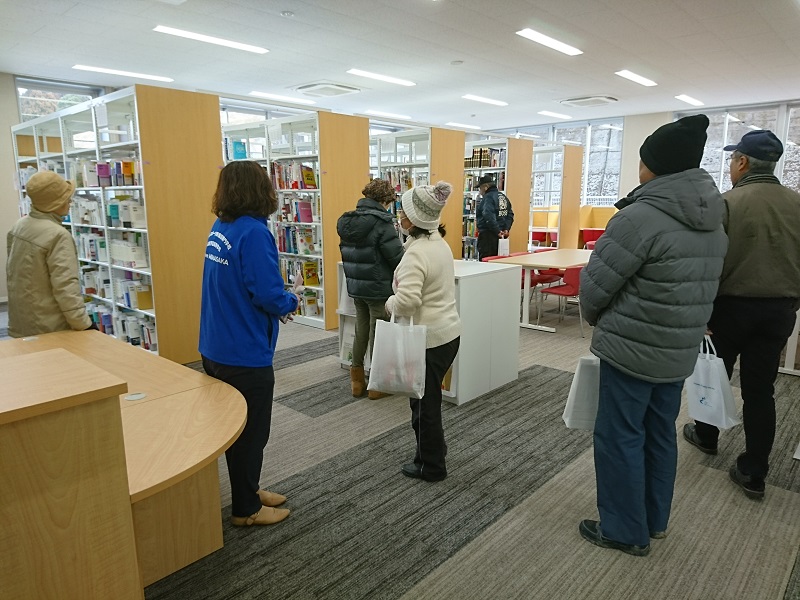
(519, 165)
(569, 217)
(66, 529)
(343, 173)
(447, 164)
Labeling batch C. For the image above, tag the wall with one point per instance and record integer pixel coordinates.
(9, 212)
(636, 129)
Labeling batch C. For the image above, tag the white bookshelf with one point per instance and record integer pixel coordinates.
(483, 155)
(401, 157)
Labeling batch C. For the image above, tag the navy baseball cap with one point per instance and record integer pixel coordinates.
(483, 180)
(761, 144)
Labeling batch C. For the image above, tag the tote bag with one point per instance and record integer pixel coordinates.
(584, 394)
(503, 247)
(709, 391)
(398, 359)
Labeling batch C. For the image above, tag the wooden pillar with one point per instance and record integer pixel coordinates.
(519, 165)
(569, 218)
(447, 164)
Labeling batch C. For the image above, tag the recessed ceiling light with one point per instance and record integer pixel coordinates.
(484, 100)
(451, 124)
(528, 135)
(380, 77)
(123, 73)
(282, 98)
(689, 100)
(388, 115)
(287, 13)
(630, 75)
(546, 40)
(547, 113)
(209, 39)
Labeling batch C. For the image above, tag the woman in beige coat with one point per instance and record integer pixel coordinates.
(44, 292)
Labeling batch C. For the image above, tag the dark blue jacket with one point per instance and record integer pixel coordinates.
(371, 250)
(243, 294)
(494, 213)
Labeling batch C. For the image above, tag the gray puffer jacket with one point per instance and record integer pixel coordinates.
(650, 284)
(371, 250)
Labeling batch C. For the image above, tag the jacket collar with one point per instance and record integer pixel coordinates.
(37, 214)
(749, 178)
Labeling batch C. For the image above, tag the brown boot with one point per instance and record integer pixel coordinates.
(357, 382)
(375, 395)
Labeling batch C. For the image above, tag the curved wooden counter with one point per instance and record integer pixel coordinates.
(173, 437)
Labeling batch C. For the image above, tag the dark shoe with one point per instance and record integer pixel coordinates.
(590, 531)
(415, 472)
(658, 535)
(690, 435)
(752, 487)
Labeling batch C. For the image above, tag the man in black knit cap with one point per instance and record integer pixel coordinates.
(759, 294)
(649, 289)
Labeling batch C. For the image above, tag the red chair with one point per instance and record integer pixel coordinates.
(590, 236)
(570, 289)
(590, 245)
(540, 237)
(537, 278)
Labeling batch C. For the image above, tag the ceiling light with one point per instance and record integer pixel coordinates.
(689, 100)
(282, 98)
(630, 75)
(484, 100)
(123, 73)
(545, 40)
(209, 39)
(730, 117)
(380, 77)
(547, 113)
(388, 115)
(528, 135)
(451, 124)
(287, 13)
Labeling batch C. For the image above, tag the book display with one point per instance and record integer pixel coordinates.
(554, 218)
(402, 158)
(483, 156)
(315, 176)
(131, 204)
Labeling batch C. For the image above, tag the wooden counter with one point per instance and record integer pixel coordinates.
(173, 437)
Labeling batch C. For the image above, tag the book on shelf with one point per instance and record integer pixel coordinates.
(304, 212)
(239, 150)
(309, 179)
(310, 273)
(310, 303)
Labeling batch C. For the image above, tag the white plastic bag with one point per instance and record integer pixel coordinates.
(503, 247)
(584, 394)
(398, 359)
(709, 391)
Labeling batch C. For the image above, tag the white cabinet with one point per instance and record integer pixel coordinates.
(487, 299)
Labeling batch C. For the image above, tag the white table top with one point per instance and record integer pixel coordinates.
(554, 259)
(468, 268)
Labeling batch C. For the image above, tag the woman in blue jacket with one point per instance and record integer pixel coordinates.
(242, 301)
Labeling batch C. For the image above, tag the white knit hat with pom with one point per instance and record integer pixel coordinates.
(423, 204)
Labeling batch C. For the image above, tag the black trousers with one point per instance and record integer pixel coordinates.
(426, 412)
(246, 456)
(487, 244)
(755, 330)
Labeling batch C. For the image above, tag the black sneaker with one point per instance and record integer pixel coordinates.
(590, 531)
(690, 435)
(752, 487)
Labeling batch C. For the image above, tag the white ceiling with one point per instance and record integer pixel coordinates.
(723, 52)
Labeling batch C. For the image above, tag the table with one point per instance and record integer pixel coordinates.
(555, 259)
(173, 436)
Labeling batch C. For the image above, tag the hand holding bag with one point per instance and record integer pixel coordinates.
(398, 359)
(584, 394)
(709, 391)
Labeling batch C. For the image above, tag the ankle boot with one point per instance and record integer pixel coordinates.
(357, 382)
(375, 395)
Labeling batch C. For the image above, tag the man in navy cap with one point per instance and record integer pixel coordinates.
(759, 294)
(494, 217)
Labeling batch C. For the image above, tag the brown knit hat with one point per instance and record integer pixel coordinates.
(379, 190)
(48, 191)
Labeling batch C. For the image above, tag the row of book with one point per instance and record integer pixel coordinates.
(403, 179)
(91, 173)
(121, 211)
(489, 158)
(298, 239)
(133, 290)
(293, 268)
(471, 181)
(298, 208)
(469, 229)
(129, 252)
(92, 246)
(470, 250)
(293, 175)
(133, 329)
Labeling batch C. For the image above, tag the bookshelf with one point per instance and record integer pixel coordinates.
(318, 162)
(402, 158)
(141, 158)
(554, 215)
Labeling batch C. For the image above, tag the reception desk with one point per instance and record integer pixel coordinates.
(175, 423)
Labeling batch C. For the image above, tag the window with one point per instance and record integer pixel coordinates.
(39, 97)
(790, 176)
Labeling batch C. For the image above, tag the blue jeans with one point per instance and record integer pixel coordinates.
(635, 455)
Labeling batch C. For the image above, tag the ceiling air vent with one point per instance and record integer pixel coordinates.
(326, 89)
(588, 101)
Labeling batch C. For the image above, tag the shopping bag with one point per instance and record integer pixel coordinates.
(503, 247)
(398, 359)
(709, 391)
(584, 393)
